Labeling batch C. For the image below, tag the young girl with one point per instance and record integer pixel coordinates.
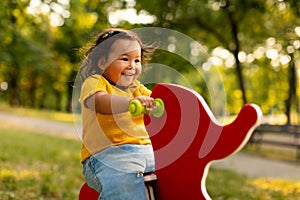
(116, 148)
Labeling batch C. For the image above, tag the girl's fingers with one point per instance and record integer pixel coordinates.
(148, 102)
(150, 105)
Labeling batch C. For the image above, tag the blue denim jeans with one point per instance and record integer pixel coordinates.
(117, 172)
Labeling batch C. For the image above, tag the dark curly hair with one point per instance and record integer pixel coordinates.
(101, 47)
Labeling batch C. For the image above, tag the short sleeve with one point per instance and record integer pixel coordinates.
(141, 90)
(91, 86)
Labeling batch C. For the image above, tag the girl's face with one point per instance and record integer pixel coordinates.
(124, 62)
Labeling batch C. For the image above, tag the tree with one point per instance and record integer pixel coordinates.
(239, 26)
(283, 26)
(40, 51)
(213, 22)
(19, 48)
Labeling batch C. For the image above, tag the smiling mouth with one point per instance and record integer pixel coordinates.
(128, 74)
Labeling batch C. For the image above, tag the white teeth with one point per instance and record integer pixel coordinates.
(127, 74)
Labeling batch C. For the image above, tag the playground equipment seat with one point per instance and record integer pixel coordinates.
(186, 139)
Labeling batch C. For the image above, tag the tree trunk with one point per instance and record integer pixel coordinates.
(58, 99)
(70, 85)
(235, 49)
(292, 97)
(14, 96)
(14, 85)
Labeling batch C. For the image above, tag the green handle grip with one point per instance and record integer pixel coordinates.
(136, 108)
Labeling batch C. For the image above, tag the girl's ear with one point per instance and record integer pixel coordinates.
(101, 64)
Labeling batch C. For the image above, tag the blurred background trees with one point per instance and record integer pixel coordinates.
(253, 43)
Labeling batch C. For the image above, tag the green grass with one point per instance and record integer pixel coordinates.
(228, 185)
(46, 167)
(272, 153)
(38, 166)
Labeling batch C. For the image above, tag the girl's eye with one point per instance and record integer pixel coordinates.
(137, 61)
(124, 59)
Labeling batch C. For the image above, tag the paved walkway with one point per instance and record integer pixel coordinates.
(42, 125)
(256, 166)
(250, 165)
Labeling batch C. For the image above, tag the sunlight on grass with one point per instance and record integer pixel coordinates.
(18, 175)
(285, 187)
(38, 166)
(228, 185)
(46, 114)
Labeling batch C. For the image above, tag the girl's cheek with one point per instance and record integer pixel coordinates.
(138, 70)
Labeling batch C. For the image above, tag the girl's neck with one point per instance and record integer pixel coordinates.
(114, 84)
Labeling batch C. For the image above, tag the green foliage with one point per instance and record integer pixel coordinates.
(241, 26)
(39, 61)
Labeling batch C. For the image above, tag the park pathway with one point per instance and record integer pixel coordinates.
(256, 166)
(42, 125)
(243, 163)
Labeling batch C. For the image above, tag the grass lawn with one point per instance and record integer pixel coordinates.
(36, 166)
(228, 185)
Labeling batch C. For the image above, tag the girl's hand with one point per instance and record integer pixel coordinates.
(147, 102)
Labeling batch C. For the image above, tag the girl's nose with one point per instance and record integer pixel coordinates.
(131, 65)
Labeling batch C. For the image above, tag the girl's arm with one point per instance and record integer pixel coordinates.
(108, 104)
